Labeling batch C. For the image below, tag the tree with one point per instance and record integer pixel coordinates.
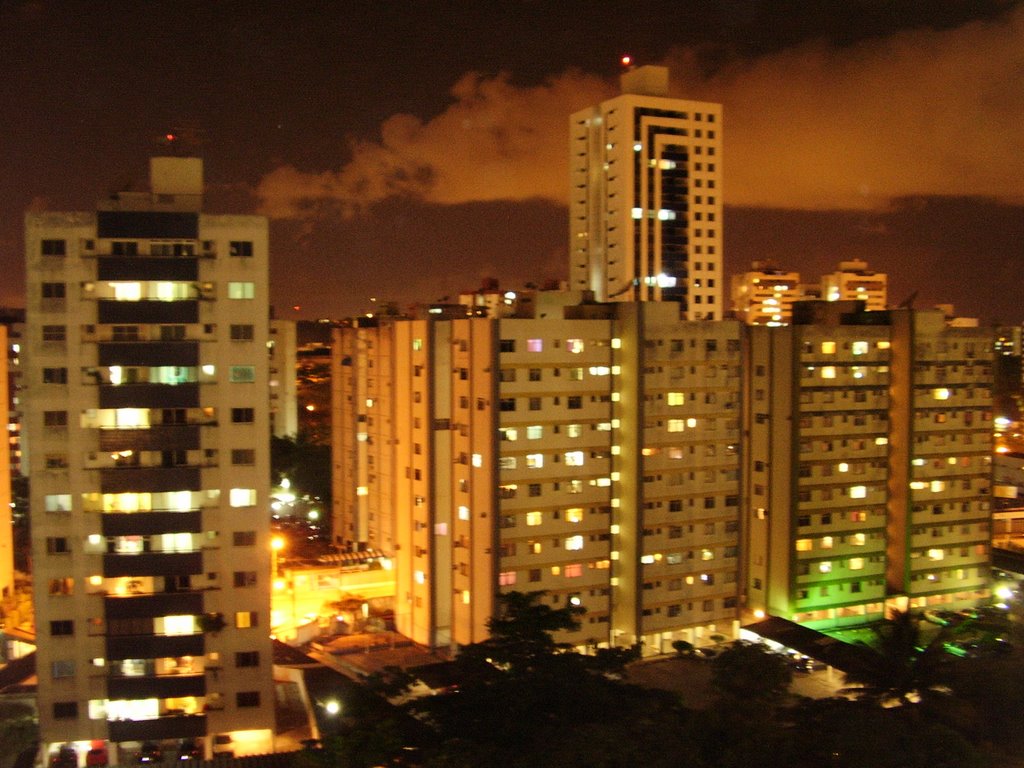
(899, 669)
(749, 672)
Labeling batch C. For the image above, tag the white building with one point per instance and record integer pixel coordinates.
(765, 294)
(146, 423)
(645, 202)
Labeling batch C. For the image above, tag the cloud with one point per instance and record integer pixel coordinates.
(811, 127)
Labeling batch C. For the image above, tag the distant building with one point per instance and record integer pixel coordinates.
(765, 294)
(147, 425)
(645, 205)
(283, 395)
(853, 280)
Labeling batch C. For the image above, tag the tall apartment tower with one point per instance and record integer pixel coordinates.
(586, 450)
(645, 202)
(147, 426)
(867, 468)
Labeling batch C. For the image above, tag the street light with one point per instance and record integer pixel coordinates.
(276, 545)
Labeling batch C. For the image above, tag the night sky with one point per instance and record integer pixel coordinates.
(405, 150)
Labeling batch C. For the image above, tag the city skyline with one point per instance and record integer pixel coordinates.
(383, 160)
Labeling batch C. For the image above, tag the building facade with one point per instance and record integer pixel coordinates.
(765, 294)
(853, 281)
(645, 204)
(586, 450)
(147, 428)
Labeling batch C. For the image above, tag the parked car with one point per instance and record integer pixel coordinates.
(190, 750)
(150, 753)
(64, 757)
(97, 757)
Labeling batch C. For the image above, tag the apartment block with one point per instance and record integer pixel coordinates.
(853, 281)
(586, 450)
(765, 294)
(866, 474)
(147, 430)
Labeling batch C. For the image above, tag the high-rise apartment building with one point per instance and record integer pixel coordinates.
(645, 198)
(147, 427)
(867, 466)
(587, 450)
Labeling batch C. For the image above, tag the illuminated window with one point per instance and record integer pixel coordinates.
(534, 460)
(858, 492)
(507, 578)
(936, 554)
(803, 545)
(241, 290)
(574, 515)
(534, 518)
(855, 563)
(938, 486)
(676, 398)
(941, 393)
(534, 433)
(573, 570)
(246, 619)
(826, 542)
(534, 345)
(574, 459)
(707, 554)
(242, 374)
(828, 347)
(573, 543)
(825, 567)
(859, 348)
(575, 346)
(573, 430)
(509, 433)
(175, 625)
(676, 425)
(858, 539)
(828, 372)
(242, 497)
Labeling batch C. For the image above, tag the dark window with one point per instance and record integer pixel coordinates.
(244, 538)
(507, 345)
(243, 456)
(247, 698)
(62, 627)
(247, 659)
(241, 333)
(54, 248)
(54, 290)
(507, 404)
(65, 710)
(125, 248)
(57, 545)
(245, 578)
(243, 415)
(55, 418)
(172, 333)
(54, 333)
(240, 248)
(575, 402)
(55, 375)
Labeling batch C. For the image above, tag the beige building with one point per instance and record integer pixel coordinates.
(283, 385)
(146, 422)
(868, 465)
(853, 280)
(645, 198)
(765, 294)
(587, 450)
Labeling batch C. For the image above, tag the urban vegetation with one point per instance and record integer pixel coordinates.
(522, 699)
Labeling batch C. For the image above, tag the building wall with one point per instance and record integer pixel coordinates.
(283, 400)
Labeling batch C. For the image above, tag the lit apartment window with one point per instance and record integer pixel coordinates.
(858, 492)
(241, 290)
(534, 460)
(534, 345)
(534, 518)
(828, 347)
(828, 372)
(575, 346)
(574, 459)
(676, 398)
(803, 545)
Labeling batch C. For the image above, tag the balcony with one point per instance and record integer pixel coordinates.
(149, 606)
(154, 646)
(143, 268)
(149, 353)
(150, 523)
(173, 727)
(149, 479)
(156, 686)
(160, 437)
(181, 312)
(149, 395)
(153, 564)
